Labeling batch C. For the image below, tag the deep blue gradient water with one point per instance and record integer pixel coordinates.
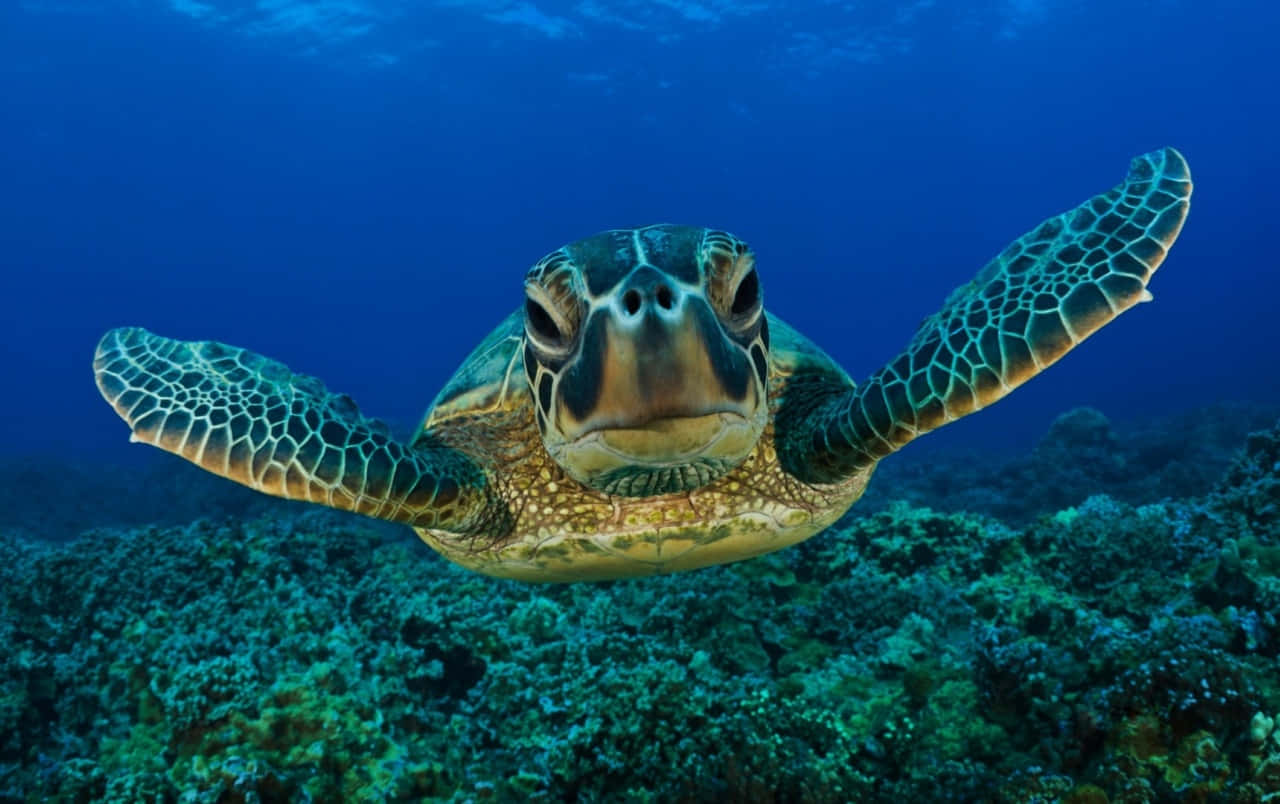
(357, 187)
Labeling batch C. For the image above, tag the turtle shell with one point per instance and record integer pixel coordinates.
(489, 374)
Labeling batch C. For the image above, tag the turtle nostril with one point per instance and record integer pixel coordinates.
(665, 299)
(631, 302)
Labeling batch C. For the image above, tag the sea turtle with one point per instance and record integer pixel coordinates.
(641, 413)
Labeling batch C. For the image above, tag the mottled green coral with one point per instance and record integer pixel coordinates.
(1101, 652)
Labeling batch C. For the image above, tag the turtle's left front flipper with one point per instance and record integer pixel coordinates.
(1047, 292)
(250, 419)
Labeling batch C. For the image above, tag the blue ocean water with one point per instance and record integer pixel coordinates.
(356, 188)
(1074, 600)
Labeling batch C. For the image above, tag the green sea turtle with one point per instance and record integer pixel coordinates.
(641, 413)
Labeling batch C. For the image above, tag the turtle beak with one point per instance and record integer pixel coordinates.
(659, 395)
(661, 358)
(659, 399)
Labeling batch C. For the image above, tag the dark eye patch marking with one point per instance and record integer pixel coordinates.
(761, 363)
(544, 394)
(729, 363)
(580, 384)
(530, 364)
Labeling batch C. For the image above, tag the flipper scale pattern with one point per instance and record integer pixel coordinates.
(252, 420)
(1042, 296)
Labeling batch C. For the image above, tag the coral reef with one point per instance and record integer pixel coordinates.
(1081, 455)
(1103, 651)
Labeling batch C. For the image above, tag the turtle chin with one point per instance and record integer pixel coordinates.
(662, 456)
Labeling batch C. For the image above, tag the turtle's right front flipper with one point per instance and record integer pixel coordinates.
(252, 420)
(1041, 297)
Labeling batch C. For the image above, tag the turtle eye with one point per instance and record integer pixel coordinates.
(747, 294)
(541, 323)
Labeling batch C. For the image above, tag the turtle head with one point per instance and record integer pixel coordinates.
(647, 352)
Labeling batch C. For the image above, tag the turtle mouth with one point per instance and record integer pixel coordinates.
(655, 403)
(667, 440)
(659, 455)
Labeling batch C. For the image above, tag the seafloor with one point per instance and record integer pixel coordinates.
(1095, 621)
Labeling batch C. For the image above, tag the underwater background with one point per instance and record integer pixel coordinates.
(1070, 597)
